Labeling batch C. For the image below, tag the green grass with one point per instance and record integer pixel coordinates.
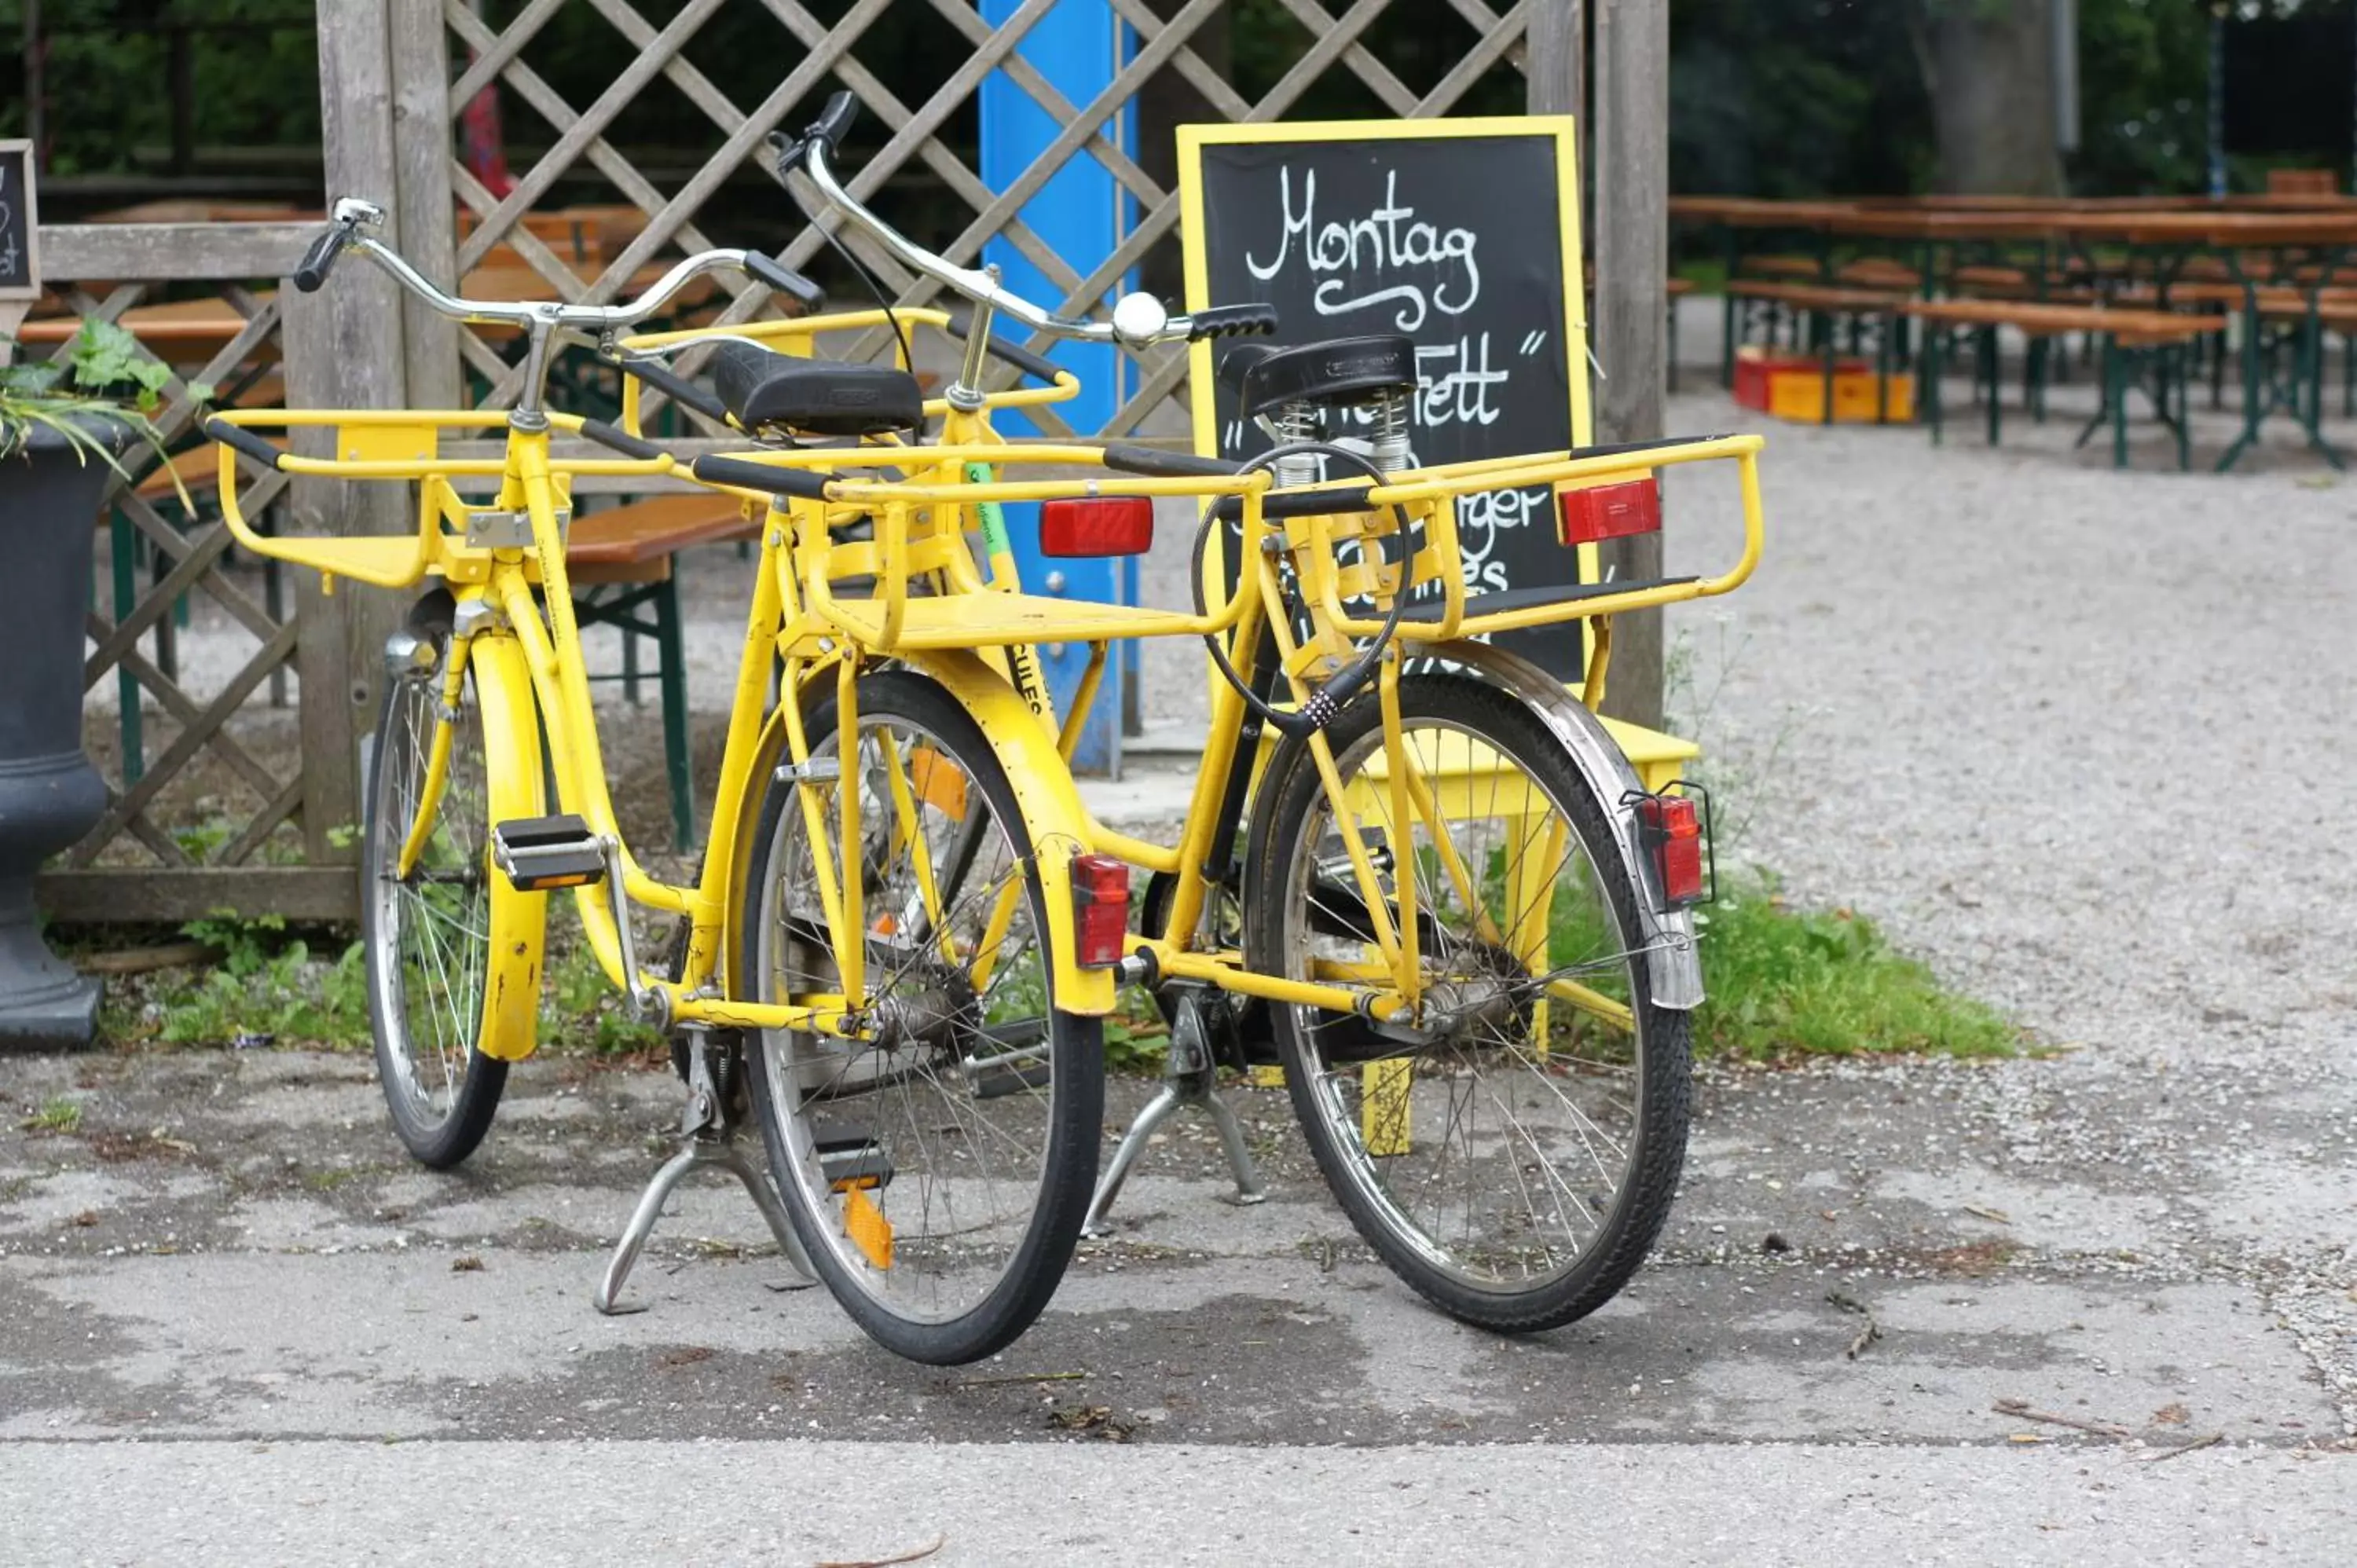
(273, 987)
(54, 1116)
(1708, 274)
(1784, 982)
(579, 1006)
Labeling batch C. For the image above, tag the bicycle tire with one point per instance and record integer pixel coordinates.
(1485, 1254)
(910, 1107)
(427, 939)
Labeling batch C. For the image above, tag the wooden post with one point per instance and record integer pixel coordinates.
(1632, 258)
(344, 349)
(420, 198)
(1557, 37)
(35, 63)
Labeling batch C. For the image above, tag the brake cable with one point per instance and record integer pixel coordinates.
(1321, 706)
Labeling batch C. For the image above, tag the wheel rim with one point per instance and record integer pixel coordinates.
(958, 1097)
(1502, 1151)
(430, 934)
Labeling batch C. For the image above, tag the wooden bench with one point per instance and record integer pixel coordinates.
(620, 562)
(1879, 272)
(1780, 267)
(2145, 342)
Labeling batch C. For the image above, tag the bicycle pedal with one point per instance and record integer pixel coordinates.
(535, 854)
(850, 1157)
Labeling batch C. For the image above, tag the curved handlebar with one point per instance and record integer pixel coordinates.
(1139, 319)
(351, 216)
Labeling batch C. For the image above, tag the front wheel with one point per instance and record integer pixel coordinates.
(1513, 1151)
(449, 959)
(936, 1169)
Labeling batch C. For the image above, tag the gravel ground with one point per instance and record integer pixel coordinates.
(2083, 740)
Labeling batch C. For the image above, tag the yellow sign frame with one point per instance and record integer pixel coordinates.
(1559, 128)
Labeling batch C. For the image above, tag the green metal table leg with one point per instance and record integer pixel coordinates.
(674, 683)
(1928, 363)
(1996, 399)
(120, 553)
(1726, 339)
(2115, 390)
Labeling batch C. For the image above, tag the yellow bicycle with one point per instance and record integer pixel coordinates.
(1416, 869)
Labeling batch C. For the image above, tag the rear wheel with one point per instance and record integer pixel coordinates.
(1511, 1156)
(938, 1169)
(428, 929)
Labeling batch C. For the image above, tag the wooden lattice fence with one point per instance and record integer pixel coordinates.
(209, 822)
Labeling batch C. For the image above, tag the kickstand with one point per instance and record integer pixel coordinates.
(714, 1094)
(1189, 1078)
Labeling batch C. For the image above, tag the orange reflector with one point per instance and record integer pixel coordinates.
(1611, 512)
(937, 781)
(868, 1229)
(1097, 525)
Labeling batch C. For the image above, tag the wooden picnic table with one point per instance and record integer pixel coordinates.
(2256, 244)
(2141, 349)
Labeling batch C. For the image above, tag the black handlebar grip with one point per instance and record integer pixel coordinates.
(1160, 465)
(1232, 321)
(835, 121)
(685, 393)
(960, 326)
(320, 259)
(1296, 503)
(620, 440)
(784, 280)
(244, 441)
(740, 475)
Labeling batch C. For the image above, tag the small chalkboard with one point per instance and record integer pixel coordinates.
(20, 268)
(1462, 235)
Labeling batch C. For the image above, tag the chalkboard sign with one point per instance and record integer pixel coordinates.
(1462, 235)
(20, 271)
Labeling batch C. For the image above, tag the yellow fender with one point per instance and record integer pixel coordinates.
(1044, 793)
(1050, 801)
(518, 921)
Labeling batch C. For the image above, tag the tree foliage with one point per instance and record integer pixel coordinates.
(1773, 97)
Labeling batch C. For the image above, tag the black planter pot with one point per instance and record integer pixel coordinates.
(49, 794)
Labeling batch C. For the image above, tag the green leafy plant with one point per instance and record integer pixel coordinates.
(246, 943)
(54, 1116)
(103, 379)
(1785, 982)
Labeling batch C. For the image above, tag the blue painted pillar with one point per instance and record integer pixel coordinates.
(1080, 213)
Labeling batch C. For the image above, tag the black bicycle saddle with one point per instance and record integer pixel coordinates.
(1337, 370)
(764, 389)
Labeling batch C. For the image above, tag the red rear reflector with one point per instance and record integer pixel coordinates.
(1611, 512)
(1097, 525)
(1673, 829)
(1100, 908)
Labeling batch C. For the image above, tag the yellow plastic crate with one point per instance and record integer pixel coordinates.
(1800, 395)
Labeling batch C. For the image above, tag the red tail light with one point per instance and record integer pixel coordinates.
(1100, 908)
(1611, 512)
(1674, 831)
(1097, 525)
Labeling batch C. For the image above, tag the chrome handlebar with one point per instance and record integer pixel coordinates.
(351, 215)
(1137, 320)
